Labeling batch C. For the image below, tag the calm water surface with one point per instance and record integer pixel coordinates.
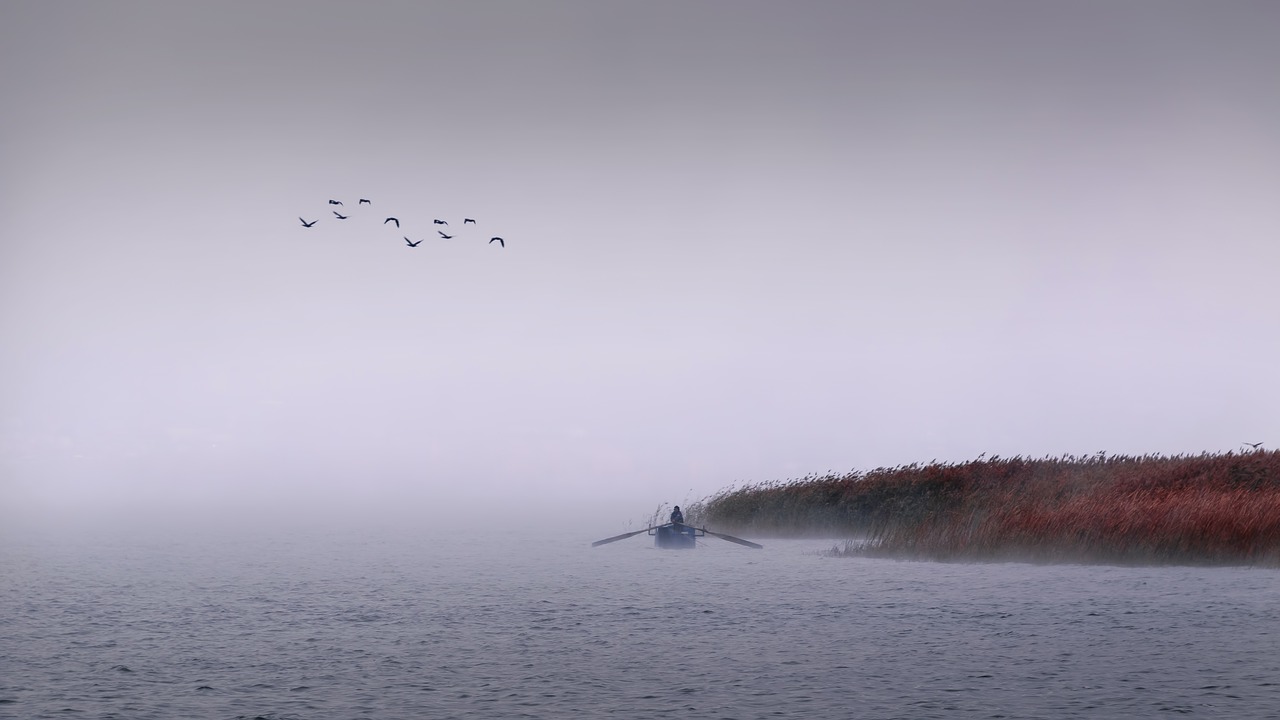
(361, 625)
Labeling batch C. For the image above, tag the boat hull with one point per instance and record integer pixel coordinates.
(675, 537)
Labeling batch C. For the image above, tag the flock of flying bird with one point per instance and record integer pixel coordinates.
(410, 243)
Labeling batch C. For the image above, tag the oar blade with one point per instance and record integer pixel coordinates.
(616, 538)
(732, 539)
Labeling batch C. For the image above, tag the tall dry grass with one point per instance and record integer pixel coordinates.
(1209, 508)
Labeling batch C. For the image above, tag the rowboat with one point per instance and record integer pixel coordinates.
(678, 536)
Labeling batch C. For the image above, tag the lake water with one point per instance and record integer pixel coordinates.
(358, 625)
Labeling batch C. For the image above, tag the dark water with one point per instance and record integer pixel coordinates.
(353, 625)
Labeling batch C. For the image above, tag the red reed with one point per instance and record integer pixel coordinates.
(1209, 508)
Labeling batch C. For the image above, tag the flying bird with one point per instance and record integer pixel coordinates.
(1255, 446)
(439, 222)
(501, 242)
(340, 216)
(335, 202)
(397, 222)
(446, 237)
(468, 220)
(412, 243)
(308, 224)
(364, 202)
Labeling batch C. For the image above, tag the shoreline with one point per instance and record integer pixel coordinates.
(1207, 509)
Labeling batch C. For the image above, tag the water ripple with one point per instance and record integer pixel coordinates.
(480, 631)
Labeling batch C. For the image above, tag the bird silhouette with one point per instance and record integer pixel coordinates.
(501, 242)
(468, 220)
(446, 237)
(363, 201)
(439, 222)
(1255, 446)
(308, 224)
(340, 216)
(335, 202)
(412, 243)
(394, 220)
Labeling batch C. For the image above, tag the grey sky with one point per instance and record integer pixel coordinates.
(745, 241)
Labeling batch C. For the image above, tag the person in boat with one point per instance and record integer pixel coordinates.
(677, 517)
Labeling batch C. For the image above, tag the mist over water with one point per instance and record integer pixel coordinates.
(250, 469)
(406, 622)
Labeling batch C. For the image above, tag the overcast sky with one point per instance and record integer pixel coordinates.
(744, 241)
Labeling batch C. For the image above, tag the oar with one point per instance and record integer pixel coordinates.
(615, 538)
(733, 539)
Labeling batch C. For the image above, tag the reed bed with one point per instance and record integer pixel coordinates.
(1221, 508)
